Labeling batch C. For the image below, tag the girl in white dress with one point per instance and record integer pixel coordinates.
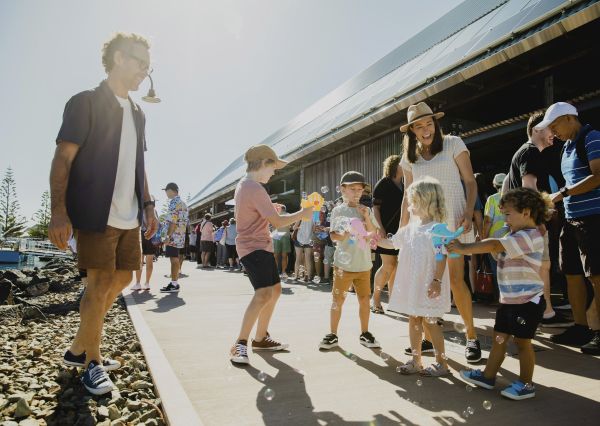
(421, 291)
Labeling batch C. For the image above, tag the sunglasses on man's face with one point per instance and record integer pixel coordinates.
(142, 63)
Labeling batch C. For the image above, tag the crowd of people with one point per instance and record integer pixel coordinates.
(430, 219)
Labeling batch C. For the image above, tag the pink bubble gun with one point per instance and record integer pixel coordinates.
(441, 235)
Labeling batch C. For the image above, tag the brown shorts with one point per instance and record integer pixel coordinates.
(112, 249)
(360, 280)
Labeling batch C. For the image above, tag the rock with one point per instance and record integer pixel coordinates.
(5, 291)
(118, 423)
(29, 422)
(22, 409)
(68, 393)
(103, 423)
(38, 289)
(134, 405)
(140, 384)
(151, 422)
(134, 347)
(113, 412)
(103, 412)
(9, 423)
(14, 275)
(30, 312)
(85, 419)
(152, 414)
(36, 352)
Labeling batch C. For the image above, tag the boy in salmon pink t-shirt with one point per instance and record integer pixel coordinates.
(254, 211)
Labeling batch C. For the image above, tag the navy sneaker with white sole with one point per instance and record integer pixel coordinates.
(73, 360)
(96, 379)
(170, 288)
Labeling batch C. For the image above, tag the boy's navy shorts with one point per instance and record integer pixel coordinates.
(520, 320)
(261, 268)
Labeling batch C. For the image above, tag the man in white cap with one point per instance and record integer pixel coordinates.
(580, 240)
(529, 169)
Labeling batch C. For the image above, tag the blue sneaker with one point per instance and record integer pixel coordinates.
(96, 380)
(477, 378)
(519, 390)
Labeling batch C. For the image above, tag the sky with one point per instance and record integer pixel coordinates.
(229, 72)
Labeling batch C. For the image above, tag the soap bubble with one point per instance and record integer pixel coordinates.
(384, 356)
(324, 189)
(419, 382)
(398, 369)
(469, 388)
(269, 394)
(487, 405)
(336, 291)
(325, 262)
(389, 236)
(500, 339)
(460, 327)
(262, 376)
(465, 414)
(430, 320)
(470, 410)
(444, 356)
(317, 279)
(316, 254)
(334, 306)
(344, 257)
(521, 320)
(450, 420)
(304, 194)
(337, 189)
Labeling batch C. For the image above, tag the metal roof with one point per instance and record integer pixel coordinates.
(471, 29)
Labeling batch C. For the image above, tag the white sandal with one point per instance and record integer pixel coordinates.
(435, 370)
(410, 368)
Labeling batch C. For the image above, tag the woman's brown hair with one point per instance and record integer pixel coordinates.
(390, 166)
(410, 142)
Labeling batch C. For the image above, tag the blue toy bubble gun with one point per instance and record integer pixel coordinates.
(441, 235)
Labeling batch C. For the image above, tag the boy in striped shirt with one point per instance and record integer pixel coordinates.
(521, 287)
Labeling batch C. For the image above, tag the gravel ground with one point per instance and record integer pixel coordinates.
(35, 388)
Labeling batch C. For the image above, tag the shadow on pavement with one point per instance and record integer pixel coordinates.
(284, 400)
(168, 302)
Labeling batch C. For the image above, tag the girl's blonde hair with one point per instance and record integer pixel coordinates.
(426, 195)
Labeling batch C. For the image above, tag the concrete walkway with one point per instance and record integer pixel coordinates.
(352, 385)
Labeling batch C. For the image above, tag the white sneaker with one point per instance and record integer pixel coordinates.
(136, 287)
(239, 354)
(146, 287)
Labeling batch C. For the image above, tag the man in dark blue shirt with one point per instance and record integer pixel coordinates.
(580, 239)
(99, 189)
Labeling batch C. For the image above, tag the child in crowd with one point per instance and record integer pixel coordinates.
(253, 213)
(521, 287)
(422, 291)
(351, 260)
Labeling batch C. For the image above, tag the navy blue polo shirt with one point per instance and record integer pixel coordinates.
(574, 171)
(93, 119)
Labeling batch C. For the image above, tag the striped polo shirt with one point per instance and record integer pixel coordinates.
(574, 170)
(519, 265)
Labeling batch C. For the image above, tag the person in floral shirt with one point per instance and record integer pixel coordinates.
(177, 219)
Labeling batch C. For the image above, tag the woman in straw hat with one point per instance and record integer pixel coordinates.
(427, 152)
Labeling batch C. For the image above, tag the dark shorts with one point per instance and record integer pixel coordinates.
(207, 246)
(231, 251)
(389, 252)
(147, 247)
(171, 251)
(580, 246)
(261, 268)
(110, 250)
(520, 320)
(298, 245)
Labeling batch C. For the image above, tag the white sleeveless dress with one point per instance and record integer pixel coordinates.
(443, 168)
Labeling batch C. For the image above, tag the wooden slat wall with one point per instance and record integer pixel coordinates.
(367, 159)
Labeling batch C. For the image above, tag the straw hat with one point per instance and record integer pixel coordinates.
(418, 112)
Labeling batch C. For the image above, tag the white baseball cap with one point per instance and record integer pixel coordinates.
(499, 179)
(554, 111)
